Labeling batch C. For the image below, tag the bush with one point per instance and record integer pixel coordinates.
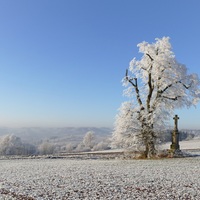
(46, 148)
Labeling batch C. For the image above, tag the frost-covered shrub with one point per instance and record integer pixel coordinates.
(46, 148)
(29, 149)
(103, 145)
(69, 148)
(82, 148)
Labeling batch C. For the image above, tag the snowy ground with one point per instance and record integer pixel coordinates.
(44, 179)
(81, 178)
(190, 144)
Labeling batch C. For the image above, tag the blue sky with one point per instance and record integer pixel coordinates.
(61, 62)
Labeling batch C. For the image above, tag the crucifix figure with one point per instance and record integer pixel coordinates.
(175, 135)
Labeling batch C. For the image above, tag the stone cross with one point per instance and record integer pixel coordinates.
(175, 136)
(176, 118)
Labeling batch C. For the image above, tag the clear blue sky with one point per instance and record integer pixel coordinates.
(61, 62)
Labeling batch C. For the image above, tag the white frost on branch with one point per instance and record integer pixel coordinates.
(126, 127)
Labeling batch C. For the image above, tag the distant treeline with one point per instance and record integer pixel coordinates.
(13, 145)
(183, 135)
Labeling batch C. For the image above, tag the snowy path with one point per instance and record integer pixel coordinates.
(100, 179)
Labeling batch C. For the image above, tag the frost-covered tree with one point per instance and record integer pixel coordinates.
(12, 145)
(156, 85)
(89, 139)
(88, 142)
(125, 127)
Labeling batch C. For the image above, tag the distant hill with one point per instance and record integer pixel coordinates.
(75, 134)
(70, 134)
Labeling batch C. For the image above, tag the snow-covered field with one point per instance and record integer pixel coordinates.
(100, 179)
(190, 144)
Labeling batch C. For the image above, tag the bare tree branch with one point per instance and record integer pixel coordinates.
(135, 85)
(170, 85)
(185, 86)
(172, 98)
(162, 91)
(149, 57)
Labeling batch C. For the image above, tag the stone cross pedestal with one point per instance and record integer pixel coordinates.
(175, 136)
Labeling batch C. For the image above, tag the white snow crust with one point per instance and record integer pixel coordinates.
(43, 179)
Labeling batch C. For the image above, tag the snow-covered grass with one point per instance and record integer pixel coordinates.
(43, 179)
(190, 144)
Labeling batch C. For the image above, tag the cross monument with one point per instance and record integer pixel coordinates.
(175, 136)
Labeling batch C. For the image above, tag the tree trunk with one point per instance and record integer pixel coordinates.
(150, 140)
(151, 150)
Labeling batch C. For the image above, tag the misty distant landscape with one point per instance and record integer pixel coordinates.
(48, 141)
(67, 134)
(75, 134)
